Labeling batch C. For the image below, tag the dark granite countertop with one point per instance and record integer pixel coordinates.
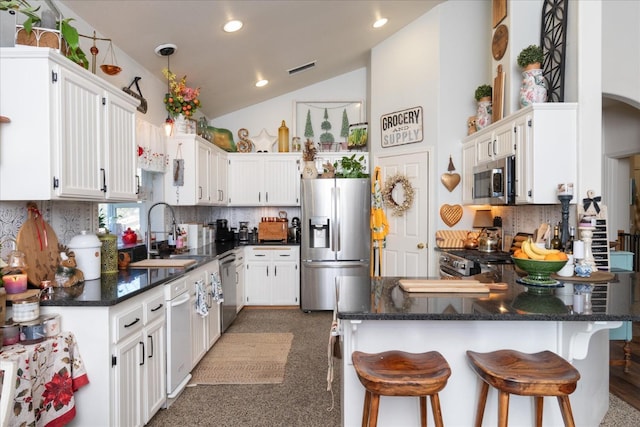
(114, 288)
(384, 299)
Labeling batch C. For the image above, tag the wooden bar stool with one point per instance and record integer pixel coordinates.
(538, 375)
(397, 373)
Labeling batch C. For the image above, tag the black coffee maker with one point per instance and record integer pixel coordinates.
(223, 234)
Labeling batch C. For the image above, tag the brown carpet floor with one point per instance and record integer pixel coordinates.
(302, 399)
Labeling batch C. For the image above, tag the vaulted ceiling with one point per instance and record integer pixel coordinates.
(277, 36)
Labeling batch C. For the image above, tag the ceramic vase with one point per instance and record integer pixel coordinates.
(534, 87)
(483, 114)
(309, 169)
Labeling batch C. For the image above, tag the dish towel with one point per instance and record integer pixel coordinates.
(216, 288)
(201, 299)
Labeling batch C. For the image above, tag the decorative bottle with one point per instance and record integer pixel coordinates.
(555, 241)
(568, 249)
(283, 138)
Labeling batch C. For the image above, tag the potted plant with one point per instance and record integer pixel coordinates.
(350, 167)
(531, 57)
(483, 91)
(484, 108)
(68, 32)
(534, 87)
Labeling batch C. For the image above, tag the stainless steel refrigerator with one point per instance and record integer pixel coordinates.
(335, 237)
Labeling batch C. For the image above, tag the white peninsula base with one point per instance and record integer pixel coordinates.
(581, 343)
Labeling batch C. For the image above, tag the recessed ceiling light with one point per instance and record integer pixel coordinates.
(380, 22)
(233, 26)
(262, 82)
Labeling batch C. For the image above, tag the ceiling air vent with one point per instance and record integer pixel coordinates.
(301, 68)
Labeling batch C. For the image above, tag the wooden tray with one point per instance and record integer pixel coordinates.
(23, 295)
(162, 263)
(443, 285)
(596, 277)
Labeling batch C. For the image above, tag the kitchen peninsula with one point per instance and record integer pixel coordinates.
(378, 315)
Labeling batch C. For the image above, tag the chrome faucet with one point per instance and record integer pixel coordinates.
(174, 227)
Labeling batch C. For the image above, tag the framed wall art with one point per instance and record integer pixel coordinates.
(326, 123)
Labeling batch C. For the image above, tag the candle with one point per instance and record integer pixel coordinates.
(15, 283)
(578, 249)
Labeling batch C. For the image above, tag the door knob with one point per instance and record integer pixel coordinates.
(420, 245)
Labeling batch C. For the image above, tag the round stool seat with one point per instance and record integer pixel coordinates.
(398, 373)
(538, 374)
(513, 372)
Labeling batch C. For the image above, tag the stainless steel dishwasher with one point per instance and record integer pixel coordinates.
(228, 280)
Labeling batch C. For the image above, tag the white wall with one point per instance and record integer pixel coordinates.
(269, 114)
(621, 53)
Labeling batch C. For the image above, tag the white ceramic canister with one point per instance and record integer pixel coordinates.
(87, 248)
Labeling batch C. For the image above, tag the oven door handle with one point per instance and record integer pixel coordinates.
(182, 299)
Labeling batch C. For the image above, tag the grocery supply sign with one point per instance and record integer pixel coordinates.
(401, 127)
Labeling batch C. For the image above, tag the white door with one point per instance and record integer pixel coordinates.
(406, 252)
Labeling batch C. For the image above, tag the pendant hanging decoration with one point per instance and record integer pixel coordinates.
(387, 194)
(450, 180)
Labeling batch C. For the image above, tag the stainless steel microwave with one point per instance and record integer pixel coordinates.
(494, 183)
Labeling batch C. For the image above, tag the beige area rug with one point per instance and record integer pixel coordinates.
(245, 358)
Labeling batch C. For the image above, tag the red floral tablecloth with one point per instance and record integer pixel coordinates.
(48, 374)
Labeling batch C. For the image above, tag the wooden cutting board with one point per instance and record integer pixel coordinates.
(443, 285)
(162, 263)
(39, 243)
(451, 239)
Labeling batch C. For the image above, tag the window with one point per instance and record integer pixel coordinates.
(117, 217)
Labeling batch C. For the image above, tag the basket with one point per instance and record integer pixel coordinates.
(41, 37)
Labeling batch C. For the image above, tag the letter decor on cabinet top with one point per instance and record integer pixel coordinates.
(401, 127)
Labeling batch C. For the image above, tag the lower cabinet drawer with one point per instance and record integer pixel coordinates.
(128, 322)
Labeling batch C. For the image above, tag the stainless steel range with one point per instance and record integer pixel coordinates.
(469, 262)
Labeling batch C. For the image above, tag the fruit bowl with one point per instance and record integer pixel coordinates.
(538, 272)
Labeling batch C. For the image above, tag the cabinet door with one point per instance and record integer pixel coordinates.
(285, 284)
(240, 298)
(503, 145)
(79, 155)
(246, 186)
(120, 150)
(484, 148)
(523, 172)
(219, 167)
(281, 181)
(127, 380)
(155, 373)
(468, 163)
(257, 283)
(203, 177)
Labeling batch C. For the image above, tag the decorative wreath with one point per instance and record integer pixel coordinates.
(389, 185)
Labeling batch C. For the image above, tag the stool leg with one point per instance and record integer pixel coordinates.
(373, 412)
(503, 409)
(437, 412)
(565, 408)
(366, 408)
(423, 411)
(482, 401)
(539, 404)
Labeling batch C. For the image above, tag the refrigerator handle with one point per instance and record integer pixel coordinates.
(336, 216)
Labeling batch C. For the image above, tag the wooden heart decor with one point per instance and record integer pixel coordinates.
(450, 180)
(451, 214)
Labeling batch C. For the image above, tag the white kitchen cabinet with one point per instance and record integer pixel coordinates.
(199, 339)
(468, 163)
(73, 131)
(546, 149)
(266, 179)
(496, 144)
(543, 138)
(272, 275)
(138, 359)
(212, 324)
(204, 181)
